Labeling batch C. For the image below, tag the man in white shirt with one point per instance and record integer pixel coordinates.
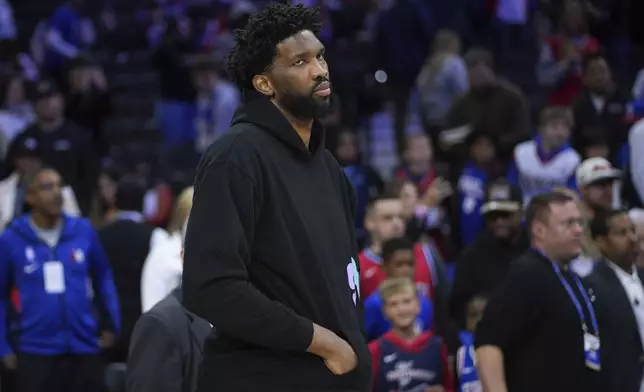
(617, 288)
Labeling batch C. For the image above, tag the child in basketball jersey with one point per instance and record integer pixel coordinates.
(547, 161)
(406, 359)
(467, 378)
(398, 261)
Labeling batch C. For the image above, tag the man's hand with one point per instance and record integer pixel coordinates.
(435, 388)
(10, 361)
(338, 355)
(343, 360)
(106, 340)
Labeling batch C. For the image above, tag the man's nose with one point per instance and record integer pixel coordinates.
(320, 70)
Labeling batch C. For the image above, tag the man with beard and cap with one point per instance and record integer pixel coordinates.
(270, 250)
(485, 262)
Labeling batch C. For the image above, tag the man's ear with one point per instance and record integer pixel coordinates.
(600, 242)
(29, 199)
(263, 85)
(369, 223)
(182, 252)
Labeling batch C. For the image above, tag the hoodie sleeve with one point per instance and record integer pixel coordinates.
(5, 271)
(226, 207)
(103, 281)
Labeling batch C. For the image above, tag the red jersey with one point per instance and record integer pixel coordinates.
(371, 275)
(400, 365)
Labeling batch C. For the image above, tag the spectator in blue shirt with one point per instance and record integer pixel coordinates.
(467, 378)
(398, 261)
(482, 168)
(68, 34)
(60, 272)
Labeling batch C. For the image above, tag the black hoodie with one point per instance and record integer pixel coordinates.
(270, 248)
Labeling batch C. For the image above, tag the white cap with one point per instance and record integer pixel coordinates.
(596, 169)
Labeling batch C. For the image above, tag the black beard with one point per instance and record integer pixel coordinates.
(306, 107)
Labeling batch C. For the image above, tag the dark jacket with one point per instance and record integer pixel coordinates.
(165, 349)
(621, 343)
(613, 119)
(127, 244)
(69, 150)
(270, 250)
(533, 320)
(480, 269)
(500, 109)
(89, 109)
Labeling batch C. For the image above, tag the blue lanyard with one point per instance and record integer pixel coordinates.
(574, 299)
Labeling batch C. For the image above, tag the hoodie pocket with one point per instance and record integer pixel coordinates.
(358, 342)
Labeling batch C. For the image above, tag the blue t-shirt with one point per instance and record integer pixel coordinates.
(471, 196)
(377, 325)
(467, 375)
(67, 21)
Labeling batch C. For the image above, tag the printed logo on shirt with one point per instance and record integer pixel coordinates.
(31, 143)
(404, 373)
(29, 253)
(31, 268)
(353, 278)
(370, 272)
(78, 256)
(390, 358)
(472, 386)
(62, 145)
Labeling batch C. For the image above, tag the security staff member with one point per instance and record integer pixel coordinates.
(539, 331)
(617, 283)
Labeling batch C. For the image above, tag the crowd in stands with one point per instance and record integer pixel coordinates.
(475, 130)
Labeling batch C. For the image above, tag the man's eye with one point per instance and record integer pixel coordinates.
(298, 62)
(320, 56)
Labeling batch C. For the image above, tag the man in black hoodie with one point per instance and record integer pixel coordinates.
(270, 252)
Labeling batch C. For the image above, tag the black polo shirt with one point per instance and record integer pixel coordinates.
(533, 320)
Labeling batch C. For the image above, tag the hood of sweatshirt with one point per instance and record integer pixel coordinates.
(258, 109)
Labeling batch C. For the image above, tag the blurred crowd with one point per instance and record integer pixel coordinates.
(452, 116)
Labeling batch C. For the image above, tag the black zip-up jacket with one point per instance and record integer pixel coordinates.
(270, 249)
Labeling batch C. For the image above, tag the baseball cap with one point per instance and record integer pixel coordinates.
(503, 196)
(596, 169)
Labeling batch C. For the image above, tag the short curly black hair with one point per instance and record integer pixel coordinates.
(256, 45)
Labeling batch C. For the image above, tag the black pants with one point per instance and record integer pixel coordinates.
(60, 373)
